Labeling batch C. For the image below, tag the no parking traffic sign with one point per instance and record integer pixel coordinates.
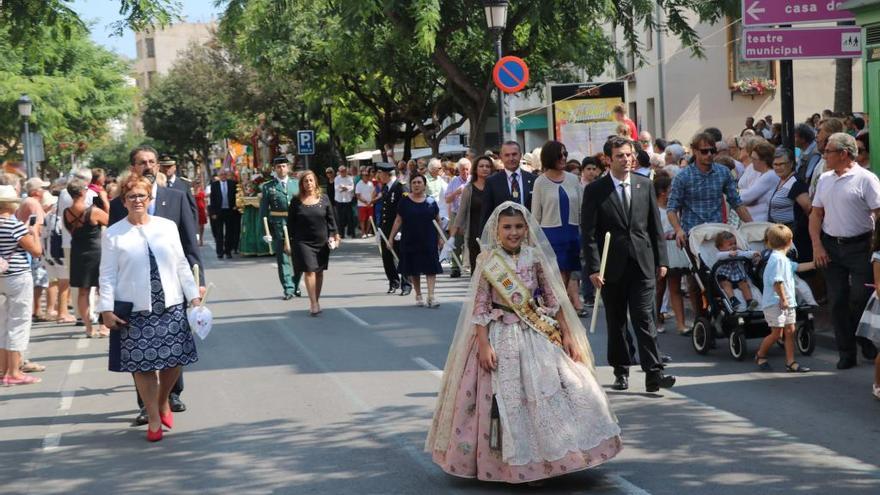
(511, 74)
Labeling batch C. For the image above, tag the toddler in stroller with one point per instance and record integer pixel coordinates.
(721, 319)
(734, 272)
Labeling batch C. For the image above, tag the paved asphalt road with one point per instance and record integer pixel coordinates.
(283, 403)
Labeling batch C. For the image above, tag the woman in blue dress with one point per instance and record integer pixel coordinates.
(419, 244)
(556, 203)
(151, 336)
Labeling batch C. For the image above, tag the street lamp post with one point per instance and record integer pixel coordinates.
(327, 101)
(496, 18)
(25, 107)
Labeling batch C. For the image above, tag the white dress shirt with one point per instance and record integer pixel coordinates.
(625, 190)
(125, 264)
(224, 195)
(343, 196)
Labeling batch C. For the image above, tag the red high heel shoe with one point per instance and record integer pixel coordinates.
(167, 419)
(154, 436)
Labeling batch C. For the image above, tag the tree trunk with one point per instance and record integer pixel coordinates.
(843, 85)
(407, 141)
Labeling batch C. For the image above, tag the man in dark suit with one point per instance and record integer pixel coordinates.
(511, 184)
(171, 204)
(222, 210)
(168, 166)
(623, 204)
(392, 191)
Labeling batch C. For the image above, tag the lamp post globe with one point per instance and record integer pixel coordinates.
(25, 106)
(496, 13)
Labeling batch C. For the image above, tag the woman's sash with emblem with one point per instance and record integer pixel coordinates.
(518, 298)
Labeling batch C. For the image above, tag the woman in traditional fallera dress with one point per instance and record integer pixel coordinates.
(519, 400)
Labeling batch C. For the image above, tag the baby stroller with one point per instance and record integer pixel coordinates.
(805, 341)
(737, 325)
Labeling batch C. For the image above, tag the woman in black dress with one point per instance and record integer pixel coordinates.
(84, 224)
(469, 219)
(312, 229)
(419, 242)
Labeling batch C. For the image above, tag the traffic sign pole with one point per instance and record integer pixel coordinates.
(786, 87)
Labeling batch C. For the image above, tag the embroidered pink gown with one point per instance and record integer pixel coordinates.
(555, 417)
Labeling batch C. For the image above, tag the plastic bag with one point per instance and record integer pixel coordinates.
(200, 320)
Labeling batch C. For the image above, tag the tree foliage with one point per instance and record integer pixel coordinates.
(76, 87)
(409, 64)
(27, 19)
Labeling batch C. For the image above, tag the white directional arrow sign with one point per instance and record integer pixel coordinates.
(774, 12)
(754, 9)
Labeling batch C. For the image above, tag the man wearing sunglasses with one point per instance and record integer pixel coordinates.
(697, 197)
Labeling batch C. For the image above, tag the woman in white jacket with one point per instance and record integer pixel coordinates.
(152, 338)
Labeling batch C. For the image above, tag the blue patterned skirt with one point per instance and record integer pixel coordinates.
(153, 340)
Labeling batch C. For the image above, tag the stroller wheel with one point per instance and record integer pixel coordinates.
(737, 344)
(702, 335)
(804, 339)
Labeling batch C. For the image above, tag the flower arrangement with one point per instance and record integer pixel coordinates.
(757, 86)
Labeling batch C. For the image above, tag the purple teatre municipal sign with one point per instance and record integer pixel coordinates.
(801, 43)
(772, 12)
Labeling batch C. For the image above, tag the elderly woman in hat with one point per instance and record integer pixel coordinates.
(17, 240)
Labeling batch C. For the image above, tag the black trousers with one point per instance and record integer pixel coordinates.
(394, 278)
(176, 390)
(635, 294)
(846, 276)
(345, 219)
(227, 230)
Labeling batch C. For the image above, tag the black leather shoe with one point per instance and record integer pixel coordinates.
(405, 291)
(455, 274)
(141, 418)
(657, 380)
(297, 293)
(869, 352)
(287, 297)
(177, 405)
(392, 288)
(846, 363)
(620, 383)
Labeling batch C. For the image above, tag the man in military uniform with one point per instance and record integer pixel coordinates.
(392, 191)
(275, 201)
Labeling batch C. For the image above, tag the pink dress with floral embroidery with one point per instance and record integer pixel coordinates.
(555, 417)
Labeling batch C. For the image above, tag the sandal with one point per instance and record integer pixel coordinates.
(765, 365)
(24, 380)
(419, 302)
(31, 367)
(432, 303)
(66, 320)
(795, 367)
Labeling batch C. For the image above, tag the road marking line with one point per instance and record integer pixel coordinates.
(353, 317)
(76, 366)
(66, 400)
(82, 343)
(626, 486)
(51, 441)
(428, 366)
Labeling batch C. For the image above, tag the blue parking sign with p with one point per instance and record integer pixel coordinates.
(305, 142)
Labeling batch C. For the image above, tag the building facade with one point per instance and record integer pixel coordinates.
(158, 50)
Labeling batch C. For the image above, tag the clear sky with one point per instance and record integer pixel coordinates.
(102, 13)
